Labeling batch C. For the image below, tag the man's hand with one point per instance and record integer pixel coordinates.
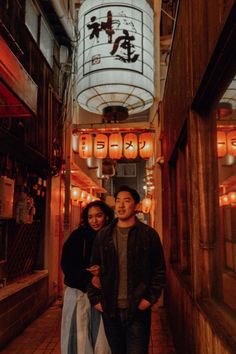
(96, 282)
(94, 270)
(144, 304)
(98, 307)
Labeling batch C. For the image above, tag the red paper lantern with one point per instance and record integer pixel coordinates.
(115, 146)
(232, 198)
(85, 146)
(231, 142)
(75, 193)
(146, 205)
(130, 146)
(224, 200)
(100, 146)
(221, 143)
(75, 142)
(145, 145)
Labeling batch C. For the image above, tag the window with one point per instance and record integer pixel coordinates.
(226, 150)
(41, 33)
(180, 247)
(46, 42)
(126, 170)
(32, 19)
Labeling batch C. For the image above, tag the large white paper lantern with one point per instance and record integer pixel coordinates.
(115, 56)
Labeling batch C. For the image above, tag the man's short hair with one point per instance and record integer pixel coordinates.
(132, 191)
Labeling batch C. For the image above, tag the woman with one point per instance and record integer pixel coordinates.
(82, 329)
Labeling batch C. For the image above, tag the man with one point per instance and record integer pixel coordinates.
(132, 274)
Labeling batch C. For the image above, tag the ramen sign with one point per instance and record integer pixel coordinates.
(115, 55)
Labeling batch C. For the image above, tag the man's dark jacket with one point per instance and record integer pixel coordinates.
(145, 267)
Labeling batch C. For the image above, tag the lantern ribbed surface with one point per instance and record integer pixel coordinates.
(115, 55)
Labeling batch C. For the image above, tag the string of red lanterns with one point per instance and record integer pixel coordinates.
(79, 195)
(115, 146)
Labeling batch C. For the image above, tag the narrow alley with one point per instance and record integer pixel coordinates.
(42, 336)
(118, 120)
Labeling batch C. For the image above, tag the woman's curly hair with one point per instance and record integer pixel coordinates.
(109, 213)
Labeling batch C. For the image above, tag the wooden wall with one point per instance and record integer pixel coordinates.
(26, 150)
(195, 326)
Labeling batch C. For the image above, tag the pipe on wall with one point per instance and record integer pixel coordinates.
(65, 18)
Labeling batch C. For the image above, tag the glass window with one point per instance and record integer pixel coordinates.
(41, 33)
(226, 150)
(32, 19)
(46, 42)
(180, 248)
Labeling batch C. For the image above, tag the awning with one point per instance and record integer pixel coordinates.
(82, 180)
(18, 92)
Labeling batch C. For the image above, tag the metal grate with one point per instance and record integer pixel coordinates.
(24, 243)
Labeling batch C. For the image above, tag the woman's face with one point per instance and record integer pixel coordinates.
(96, 218)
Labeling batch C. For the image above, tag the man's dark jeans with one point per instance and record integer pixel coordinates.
(128, 336)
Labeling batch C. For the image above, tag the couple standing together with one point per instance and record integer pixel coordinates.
(118, 293)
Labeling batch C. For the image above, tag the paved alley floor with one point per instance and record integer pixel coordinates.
(43, 334)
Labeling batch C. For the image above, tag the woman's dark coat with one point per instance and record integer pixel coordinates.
(76, 258)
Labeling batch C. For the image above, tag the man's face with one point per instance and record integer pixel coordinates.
(125, 205)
